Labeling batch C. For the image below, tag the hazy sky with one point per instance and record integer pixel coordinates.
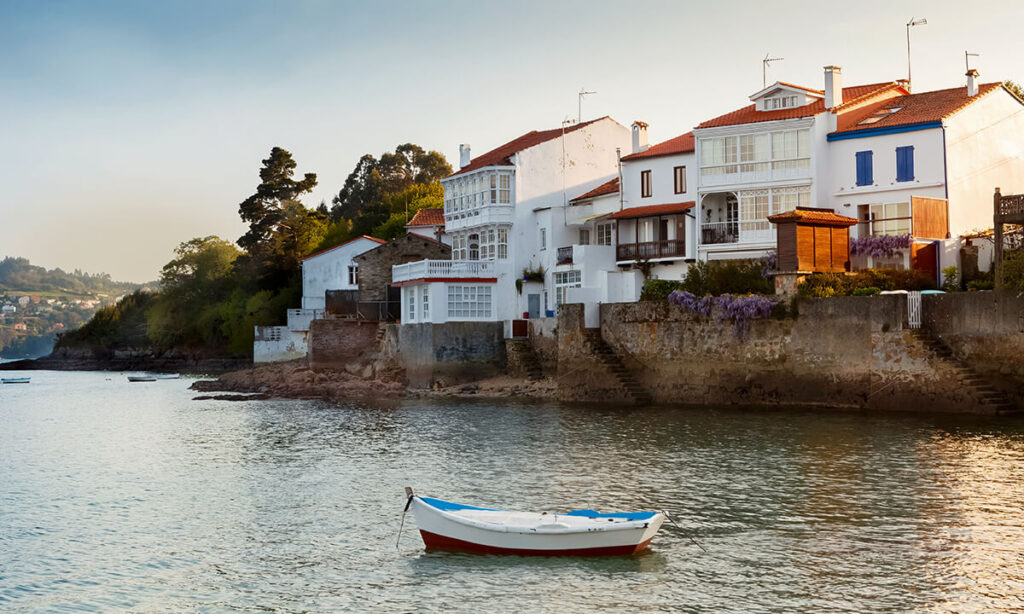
(128, 127)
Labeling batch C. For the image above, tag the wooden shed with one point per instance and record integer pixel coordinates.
(813, 240)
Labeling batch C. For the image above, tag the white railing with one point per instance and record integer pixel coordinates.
(443, 269)
(914, 309)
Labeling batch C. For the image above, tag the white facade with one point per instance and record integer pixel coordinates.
(333, 269)
(513, 214)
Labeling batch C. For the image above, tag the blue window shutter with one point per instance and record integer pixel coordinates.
(905, 163)
(864, 168)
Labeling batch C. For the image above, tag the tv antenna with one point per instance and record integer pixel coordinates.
(579, 104)
(967, 59)
(765, 63)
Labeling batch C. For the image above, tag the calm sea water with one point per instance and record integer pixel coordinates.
(133, 497)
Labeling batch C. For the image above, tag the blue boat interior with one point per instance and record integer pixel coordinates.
(448, 506)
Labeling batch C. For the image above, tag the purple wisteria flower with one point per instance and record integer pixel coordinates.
(880, 246)
(740, 309)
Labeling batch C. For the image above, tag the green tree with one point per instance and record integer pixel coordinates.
(263, 211)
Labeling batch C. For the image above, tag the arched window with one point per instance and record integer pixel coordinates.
(474, 247)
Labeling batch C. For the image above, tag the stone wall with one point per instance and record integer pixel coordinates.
(451, 353)
(342, 344)
(985, 330)
(843, 352)
(375, 265)
(544, 339)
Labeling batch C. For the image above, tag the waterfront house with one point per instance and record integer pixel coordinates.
(506, 214)
(330, 269)
(377, 298)
(925, 164)
(656, 226)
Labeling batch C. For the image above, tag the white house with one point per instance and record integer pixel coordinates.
(506, 212)
(656, 226)
(330, 269)
(926, 165)
(769, 157)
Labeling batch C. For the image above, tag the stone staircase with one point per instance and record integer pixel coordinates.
(989, 395)
(525, 357)
(607, 356)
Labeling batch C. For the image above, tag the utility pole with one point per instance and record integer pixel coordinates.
(764, 68)
(579, 104)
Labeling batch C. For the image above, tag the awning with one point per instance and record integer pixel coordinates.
(590, 218)
(652, 210)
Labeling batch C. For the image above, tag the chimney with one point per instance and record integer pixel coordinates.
(639, 136)
(463, 155)
(833, 86)
(972, 83)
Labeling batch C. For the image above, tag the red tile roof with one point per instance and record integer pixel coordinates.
(329, 249)
(913, 109)
(680, 144)
(806, 89)
(427, 217)
(608, 187)
(816, 217)
(651, 210)
(502, 156)
(852, 97)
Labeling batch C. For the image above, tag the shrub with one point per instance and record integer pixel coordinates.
(658, 289)
(951, 279)
(868, 291)
(980, 284)
(730, 277)
(1013, 269)
(824, 285)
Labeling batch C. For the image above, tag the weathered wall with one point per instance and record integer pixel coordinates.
(375, 266)
(986, 330)
(851, 351)
(544, 339)
(337, 344)
(277, 344)
(451, 353)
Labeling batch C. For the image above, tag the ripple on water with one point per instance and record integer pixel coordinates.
(116, 498)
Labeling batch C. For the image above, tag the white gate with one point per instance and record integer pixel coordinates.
(914, 309)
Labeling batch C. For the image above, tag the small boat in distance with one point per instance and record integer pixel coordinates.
(16, 380)
(141, 378)
(167, 375)
(454, 526)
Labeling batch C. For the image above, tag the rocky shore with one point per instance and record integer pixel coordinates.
(295, 380)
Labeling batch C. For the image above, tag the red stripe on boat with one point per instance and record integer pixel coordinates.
(434, 541)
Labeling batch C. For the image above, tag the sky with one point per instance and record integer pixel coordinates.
(129, 127)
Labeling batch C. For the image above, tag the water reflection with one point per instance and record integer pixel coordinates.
(119, 498)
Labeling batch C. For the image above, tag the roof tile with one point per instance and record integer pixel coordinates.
(913, 108)
(809, 215)
(608, 187)
(427, 217)
(502, 155)
(680, 144)
(651, 210)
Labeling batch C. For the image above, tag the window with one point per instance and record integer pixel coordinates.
(584, 236)
(765, 152)
(645, 183)
(425, 303)
(502, 243)
(353, 274)
(567, 279)
(504, 191)
(865, 170)
(469, 302)
(780, 102)
(411, 306)
(604, 233)
(756, 205)
(905, 163)
(474, 247)
(890, 219)
(680, 179)
(543, 238)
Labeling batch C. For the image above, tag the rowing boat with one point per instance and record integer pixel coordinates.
(445, 525)
(16, 380)
(141, 378)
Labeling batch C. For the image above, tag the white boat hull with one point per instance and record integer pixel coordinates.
(496, 532)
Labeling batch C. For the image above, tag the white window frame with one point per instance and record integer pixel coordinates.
(606, 234)
(425, 303)
(353, 274)
(543, 239)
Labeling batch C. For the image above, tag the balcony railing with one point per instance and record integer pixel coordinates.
(720, 232)
(674, 248)
(443, 269)
(565, 255)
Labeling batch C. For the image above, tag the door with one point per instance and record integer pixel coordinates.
(533, 305)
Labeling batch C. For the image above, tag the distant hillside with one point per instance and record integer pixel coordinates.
(37, 304)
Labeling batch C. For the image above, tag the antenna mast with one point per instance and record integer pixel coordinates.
(765, 63)
(579, 104)
(967, 61)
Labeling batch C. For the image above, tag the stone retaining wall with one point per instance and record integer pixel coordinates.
(451, 353)
(842, 352)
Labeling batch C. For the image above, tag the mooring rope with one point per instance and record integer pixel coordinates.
(683, 531)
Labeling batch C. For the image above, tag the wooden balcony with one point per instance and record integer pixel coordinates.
(651, 249)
